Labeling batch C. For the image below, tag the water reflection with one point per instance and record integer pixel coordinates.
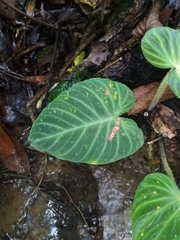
(117, 184)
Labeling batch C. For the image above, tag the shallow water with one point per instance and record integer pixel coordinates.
(117, 184)
(102, 195)
(47, 212)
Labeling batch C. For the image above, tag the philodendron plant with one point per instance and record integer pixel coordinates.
(156, 206)
(161, 48)
(83, 124)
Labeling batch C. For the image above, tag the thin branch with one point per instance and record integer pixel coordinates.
(43, 174)
(32, 48)
(70, 198)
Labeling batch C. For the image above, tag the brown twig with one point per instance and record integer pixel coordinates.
(4, 70)
(32, 48)
(23, 13)
(78, 209)
(107, 66)
(42, 176)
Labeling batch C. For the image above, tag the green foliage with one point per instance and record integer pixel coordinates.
(155, 210)
(160, 47)
(66, 84)
(83, 125)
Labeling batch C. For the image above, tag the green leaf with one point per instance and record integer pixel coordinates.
(174, 81)
(83, 125)
(62, 86)
(66, 84)
(160, 47)
(156, 209)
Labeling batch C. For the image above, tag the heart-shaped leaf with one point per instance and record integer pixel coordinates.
(83, 125)
(160, 47)
(156, 209)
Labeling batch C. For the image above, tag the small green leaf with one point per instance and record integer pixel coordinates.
(61, 87)
(66, 84)
(78, 59)
(160, 47)
(83, 125)
(156, 209)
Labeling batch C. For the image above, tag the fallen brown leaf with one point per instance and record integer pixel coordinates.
(157, 17)
(12, 154)
(144, 95)
(99, 53)
(35, 80)
(153, 18)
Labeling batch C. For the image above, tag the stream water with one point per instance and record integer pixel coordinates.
(101, 195)
(117, 184)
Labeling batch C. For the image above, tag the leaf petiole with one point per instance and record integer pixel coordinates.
(160, 91)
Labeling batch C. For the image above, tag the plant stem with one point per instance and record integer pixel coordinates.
(160, 91)
(164, 160)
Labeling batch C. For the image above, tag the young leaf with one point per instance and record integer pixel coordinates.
(83, 125)
(160, 47)
(155, 210)
(78, 59)
(66, 84)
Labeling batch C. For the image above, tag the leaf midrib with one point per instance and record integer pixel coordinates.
(99, 122)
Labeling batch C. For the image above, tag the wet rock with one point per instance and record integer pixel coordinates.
(38, 216)
(117, 184)
(66, 200)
